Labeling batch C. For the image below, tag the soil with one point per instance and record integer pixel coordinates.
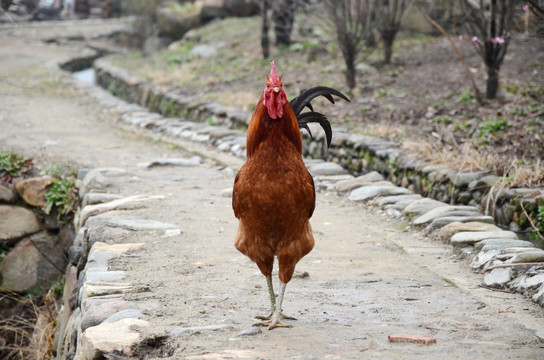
(368, 277)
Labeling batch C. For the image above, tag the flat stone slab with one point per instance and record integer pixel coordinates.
(109, 337)
(443, 221)
(363, 180)
(471, 237)
(449, 230)
(129, 223)
(422, 206)
(327, 168)
(193, 161)
(120, 204)
(369, 192)
(500, 244)
(387, 200)
(444, 211)
(400, 205)
(98, 198)
(534, 255)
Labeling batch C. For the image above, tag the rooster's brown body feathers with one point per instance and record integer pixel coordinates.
(274, 194)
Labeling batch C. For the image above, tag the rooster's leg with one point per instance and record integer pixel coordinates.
(277, 315)
(272, 299)
(273, 320)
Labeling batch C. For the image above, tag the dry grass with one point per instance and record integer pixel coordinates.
(27, 331)
(467, 158)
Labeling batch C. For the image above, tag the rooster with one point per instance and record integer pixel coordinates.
(274, 194)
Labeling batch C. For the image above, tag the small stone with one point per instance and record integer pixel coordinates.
(529, 280)
(33, 190)
(327, 168)
(471, 237)
(539, 299)
(369, 192)
(498, 277)
(203, 51)
(254, 330)
(8, 194)
(484, 257)
(81, 173)
(363, 180)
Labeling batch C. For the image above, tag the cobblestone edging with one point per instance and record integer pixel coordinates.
(97, 319)
(357, 153)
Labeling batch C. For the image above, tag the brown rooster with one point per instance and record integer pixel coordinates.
(274, 195)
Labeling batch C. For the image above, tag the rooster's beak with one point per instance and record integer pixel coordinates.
(276, 89)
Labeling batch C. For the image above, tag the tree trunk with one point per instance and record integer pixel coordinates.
(350, 71)
(265, 44)
(387, 50)
(283, 14)
(492, 82)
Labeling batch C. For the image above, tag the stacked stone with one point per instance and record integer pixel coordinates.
(36, 256)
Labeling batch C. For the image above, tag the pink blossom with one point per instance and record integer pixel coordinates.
(525, 8)
(498, 40)
(475, 40)
(460, 37)
(530, 115)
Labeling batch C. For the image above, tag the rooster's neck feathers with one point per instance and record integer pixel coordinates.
(263, 127)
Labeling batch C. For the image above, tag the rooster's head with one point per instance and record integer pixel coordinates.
(274, 97)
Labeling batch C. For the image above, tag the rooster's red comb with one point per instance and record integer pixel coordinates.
(273, 76)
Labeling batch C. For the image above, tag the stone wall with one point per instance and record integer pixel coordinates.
(37, 243)
(357, 153)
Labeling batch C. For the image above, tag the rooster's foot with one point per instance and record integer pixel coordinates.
(272, 324)
(269, 317)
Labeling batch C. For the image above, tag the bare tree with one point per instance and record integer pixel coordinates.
(283, 14)
(390, 14)
(537, 9)
(353, 20)
(490, 23)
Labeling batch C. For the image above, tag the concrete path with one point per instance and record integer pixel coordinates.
(366, 279)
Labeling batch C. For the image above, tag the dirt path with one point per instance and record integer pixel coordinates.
(366, 278)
